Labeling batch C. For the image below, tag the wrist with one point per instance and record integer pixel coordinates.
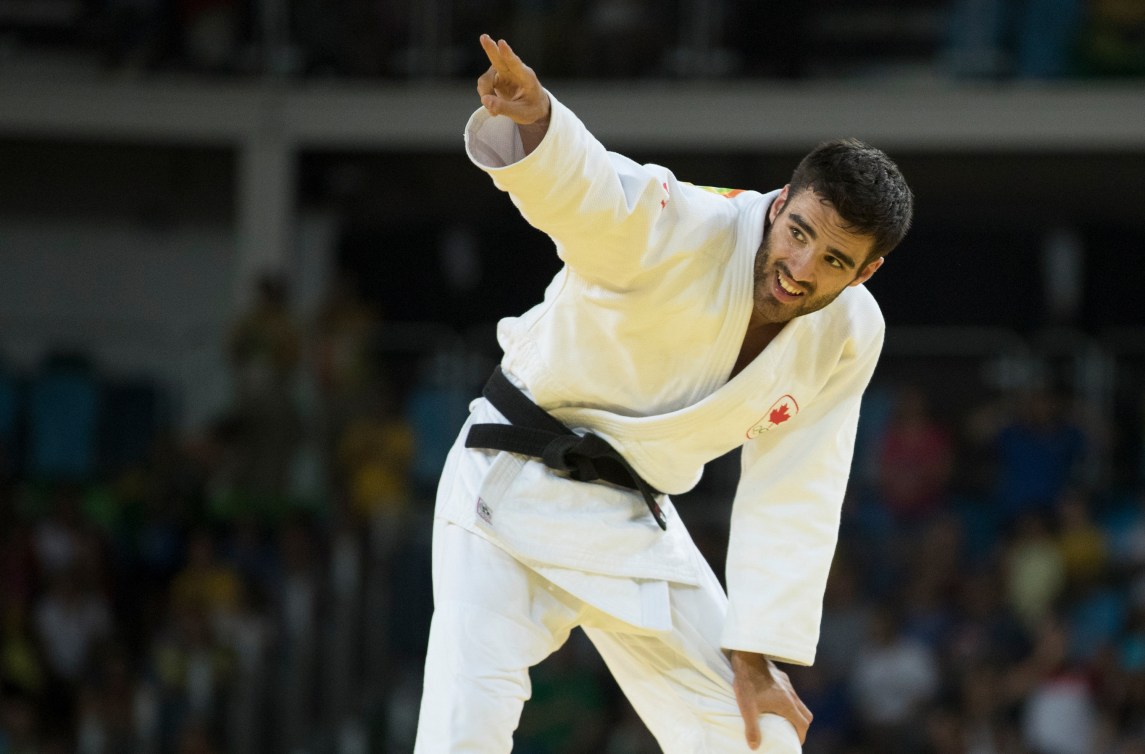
(743, 659)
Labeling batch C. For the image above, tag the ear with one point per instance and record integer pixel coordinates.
(777, 205)
(865, 273)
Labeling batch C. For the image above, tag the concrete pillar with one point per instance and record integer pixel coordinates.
(265, 215)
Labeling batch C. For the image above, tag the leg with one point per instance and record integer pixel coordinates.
(680, 682)
(493, 620)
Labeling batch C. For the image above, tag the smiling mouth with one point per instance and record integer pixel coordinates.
(786, 287)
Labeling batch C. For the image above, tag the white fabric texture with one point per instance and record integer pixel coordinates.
(635, 340)
(495, 618)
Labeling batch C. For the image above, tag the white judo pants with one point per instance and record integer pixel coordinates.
(495, 618)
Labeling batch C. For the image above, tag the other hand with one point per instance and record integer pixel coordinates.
(510, 87)
(761, 687)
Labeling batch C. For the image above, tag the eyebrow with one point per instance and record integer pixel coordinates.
(798, 220)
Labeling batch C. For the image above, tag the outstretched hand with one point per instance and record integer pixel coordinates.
(761, 687)
(510, 87)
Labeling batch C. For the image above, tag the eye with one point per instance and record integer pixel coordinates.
(835, 262)
(797, 234)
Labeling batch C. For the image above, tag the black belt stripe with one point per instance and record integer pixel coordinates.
(533, 432)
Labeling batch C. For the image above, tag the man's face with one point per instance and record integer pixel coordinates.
(806, 259)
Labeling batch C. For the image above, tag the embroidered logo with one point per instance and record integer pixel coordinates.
(484, 511)
(780, 411)
(667, 196)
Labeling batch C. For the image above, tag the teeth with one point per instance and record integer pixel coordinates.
(783, 284)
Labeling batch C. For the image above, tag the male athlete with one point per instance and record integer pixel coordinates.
(685, 322)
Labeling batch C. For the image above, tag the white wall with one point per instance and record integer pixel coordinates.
(154, 302)
(140, 301)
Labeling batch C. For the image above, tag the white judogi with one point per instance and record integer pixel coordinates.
(635, 340)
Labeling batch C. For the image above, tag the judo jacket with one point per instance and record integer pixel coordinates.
(635, 340)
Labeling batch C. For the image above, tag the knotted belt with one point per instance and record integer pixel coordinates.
(533, 432)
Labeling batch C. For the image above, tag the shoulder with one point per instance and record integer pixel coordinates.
(727, 201)
(857, 313)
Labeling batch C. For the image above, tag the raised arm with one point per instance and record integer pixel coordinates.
(611, 219)
(512, 89)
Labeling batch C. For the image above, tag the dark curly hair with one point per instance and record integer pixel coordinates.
(863, 185)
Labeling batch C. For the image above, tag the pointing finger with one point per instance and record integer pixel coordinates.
(494, 53)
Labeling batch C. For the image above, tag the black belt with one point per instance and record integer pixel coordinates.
(533, 432)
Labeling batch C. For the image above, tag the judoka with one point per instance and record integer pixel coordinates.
(685, 322)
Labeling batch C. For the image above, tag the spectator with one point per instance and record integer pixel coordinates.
(983, 708)
(60, 536)
(1039, 453)
(194, 672)
(1059, 714)
(985, 631)
(246, 635)
(945, 732)
(252, 557)
(18, 724)
(847, 619)
(265, 352)
(298, 630)
(1034, 571)
(72, 619)
(931, 580)
(1096, 617)
(376, 454)
(205, 584)
(195, 738)
(1129, 683)
(828, 699)
(893, 679)
(1082, 542)
(916, 460)
(345, 331)
(117, 711)
(438, 401)
(18, 561)
(22, 665)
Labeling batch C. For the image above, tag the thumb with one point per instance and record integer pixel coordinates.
(501, 106)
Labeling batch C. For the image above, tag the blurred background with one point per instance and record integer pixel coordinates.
(249, 283)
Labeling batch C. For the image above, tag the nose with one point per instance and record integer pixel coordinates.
(799, 264)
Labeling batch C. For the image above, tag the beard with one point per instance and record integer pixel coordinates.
(767, 309)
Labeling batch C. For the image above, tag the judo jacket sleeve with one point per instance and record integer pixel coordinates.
(785, 519)
(611, 219)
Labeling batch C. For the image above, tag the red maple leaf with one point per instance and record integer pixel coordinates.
(779, 415)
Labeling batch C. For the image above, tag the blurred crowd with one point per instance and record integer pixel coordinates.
(262, 584)
(1041, 39)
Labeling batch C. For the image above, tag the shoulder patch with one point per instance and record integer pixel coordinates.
(727, 193)
(781, 411)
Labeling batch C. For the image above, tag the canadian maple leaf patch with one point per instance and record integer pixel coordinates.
(781, 411)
